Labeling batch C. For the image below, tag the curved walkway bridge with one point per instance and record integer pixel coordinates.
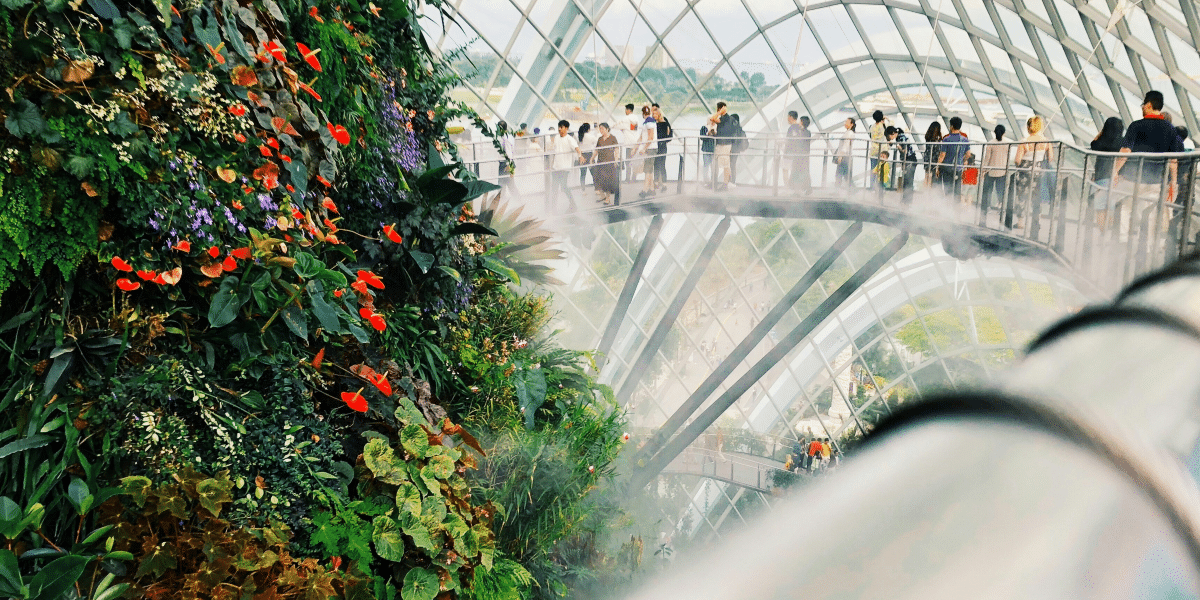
(1063, 214)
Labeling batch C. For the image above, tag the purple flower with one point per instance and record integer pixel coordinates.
(267, 203)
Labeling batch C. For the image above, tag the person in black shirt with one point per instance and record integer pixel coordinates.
(1152, 133)
(906, 159)
(663, 137)
(1109, 139)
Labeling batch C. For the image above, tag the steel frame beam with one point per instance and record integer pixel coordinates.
(705, 419)
(751, 341)
(631, 285)
(659, 335)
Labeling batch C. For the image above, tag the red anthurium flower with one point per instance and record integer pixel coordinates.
(275, 50)
(379, 380)
(216, 52)
(360, 287)
(297, 215)
(316, 362)
(329, 205)
(337, 293)
(390, 232)
(339, 133)
(355, 401)
(121, 265)
(312, 12)
(365, 312)
(169, 277)
(214, 251)
(147, 275)
(238, 205)
(324, 182)
(310, 56)
(274, 143)
(183, 246)
(285, 158)
(229, 264)
(311, 92)
(290, 188)
(212, 270)
(370, 279)
(241, 253)
(128, 285)
(159, 279)
(237, 110)
(377, 322)
(241, 139)
(265, 151)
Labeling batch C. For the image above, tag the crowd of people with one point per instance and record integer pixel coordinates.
(812, 456)
(1010, 175)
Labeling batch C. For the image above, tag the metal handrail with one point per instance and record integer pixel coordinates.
(1142, 225)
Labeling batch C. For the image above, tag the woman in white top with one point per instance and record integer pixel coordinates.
(995, 168)
(648, 149)
(1037, 158)
(587, 145)
(844, 153)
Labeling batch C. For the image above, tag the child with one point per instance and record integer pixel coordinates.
(883, 172)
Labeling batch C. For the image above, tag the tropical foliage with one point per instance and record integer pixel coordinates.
(256, 343)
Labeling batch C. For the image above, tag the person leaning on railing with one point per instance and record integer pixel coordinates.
(1150, 134)
(1036, 158)
(722, 123)
(995, 170)
(1110, 139)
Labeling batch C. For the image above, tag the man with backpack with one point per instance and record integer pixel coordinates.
(952, 158)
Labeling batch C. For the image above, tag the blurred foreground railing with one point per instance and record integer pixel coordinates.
(1074, 478)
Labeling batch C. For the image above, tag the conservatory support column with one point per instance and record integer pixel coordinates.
(749, 343)
(664, 326)
(630, 288)
(773, 357)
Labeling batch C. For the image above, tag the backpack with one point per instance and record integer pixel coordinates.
(740, 142)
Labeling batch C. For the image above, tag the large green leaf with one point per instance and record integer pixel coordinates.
(383, 463)
(419, 584)
(501, 269)
(530, 386)
(444, 191)
(25, 120)
(478, 188)
(440, 467)
(212, 494)
(474, 228)
(23, 444)
(296, 320)
(57, 577)
(11, 584)
(415, 440)
(415, 529)
(80, 496)
(307, 265)
(326, 313)
(389, 543)
(424, 260)
(225, 303)
(408, 498)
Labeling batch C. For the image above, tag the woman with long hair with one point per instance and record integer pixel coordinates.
(587, 145)
(844, 153)
(1036, 156)
(933, 146)
(1108, 140)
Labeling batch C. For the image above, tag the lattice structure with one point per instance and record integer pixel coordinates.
(987, 61)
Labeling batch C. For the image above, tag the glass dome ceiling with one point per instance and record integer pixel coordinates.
(996, 61)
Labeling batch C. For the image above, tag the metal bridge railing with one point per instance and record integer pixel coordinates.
(1057, 196)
